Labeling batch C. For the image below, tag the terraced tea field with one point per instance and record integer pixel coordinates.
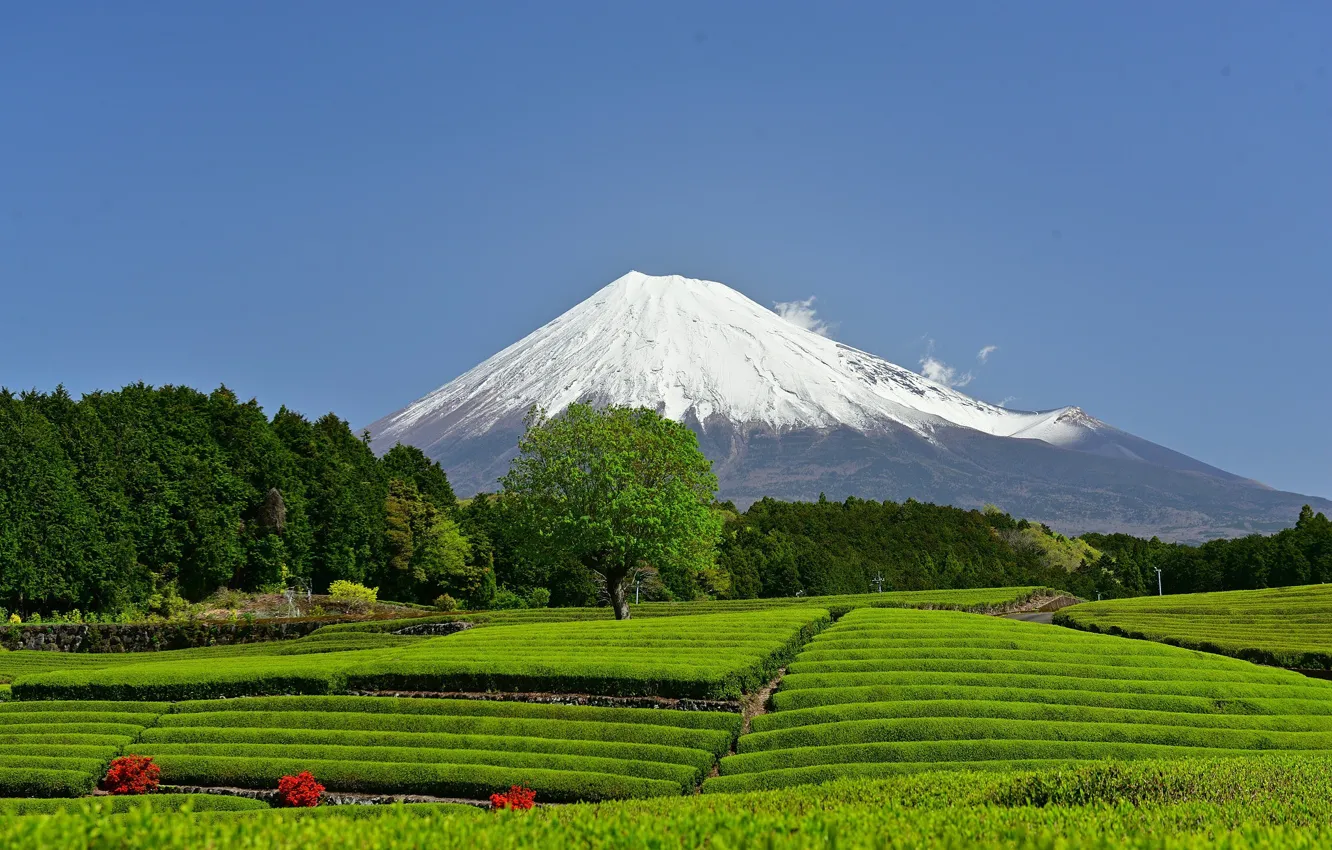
(1282, 626)
(444, 748)
(714, 656)
(885, 691)
(888, 691)
(61, 749)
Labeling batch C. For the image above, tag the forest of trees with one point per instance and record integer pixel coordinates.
(133, 500)
(1298, 555)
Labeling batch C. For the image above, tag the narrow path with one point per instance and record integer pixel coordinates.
(553, 698)
(329, 798)
(1046, 617)
(757, 702)
(750, 707)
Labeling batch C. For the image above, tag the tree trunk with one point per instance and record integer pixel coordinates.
(618, 589)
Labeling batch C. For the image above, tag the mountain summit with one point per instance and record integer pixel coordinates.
(786, 412)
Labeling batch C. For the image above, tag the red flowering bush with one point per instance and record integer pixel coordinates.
(132, 775)
(517, 798)
(299, 791)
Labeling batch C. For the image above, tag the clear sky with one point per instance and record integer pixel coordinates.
(340, 206)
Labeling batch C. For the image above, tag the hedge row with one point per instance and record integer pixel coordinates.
(983, 600)
(1016, 710)
(480, 708)
(1299, 687)
(33, 782)
(980, 750)
(617, 658)
(700, 760)
(27, 664)
(439, 780)
(709, 740)
(684, 776)
(817, 697)
(202, 679)
(819, 774)
(118, 805)
(974, 728)
(1283, 627)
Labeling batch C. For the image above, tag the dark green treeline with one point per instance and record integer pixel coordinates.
(127, 500)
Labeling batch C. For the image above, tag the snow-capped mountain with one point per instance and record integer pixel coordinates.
(789, 413)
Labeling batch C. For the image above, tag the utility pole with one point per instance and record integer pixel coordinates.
(1159, 592)
(879, 581)
(638, 585)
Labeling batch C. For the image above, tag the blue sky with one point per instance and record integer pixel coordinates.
(340, 206)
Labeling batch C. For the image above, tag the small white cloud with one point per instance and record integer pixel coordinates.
(1008, 399)
(802, 315)
(940, 372)
(984, 354)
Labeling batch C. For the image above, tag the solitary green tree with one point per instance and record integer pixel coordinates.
(616, 490)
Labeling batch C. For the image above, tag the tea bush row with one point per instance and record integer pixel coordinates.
(709, 740)
(982, 600)
(474, 781)
(1283, 627)
(241, 738)
(728, 722)
(54, 749)
(922, 688)
(1237, 804)
(712, 657)
(119, 805)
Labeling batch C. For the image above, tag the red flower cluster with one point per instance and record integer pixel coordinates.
(299, 791)
(517, 798)
(132, 775)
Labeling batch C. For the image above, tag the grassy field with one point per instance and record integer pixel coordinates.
(1283, 626)
(895, 691)
(1263, 802)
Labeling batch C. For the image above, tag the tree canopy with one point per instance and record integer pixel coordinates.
(615, 490)
(122, 501)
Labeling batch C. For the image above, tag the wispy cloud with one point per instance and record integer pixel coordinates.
(940, 372)
(803, 315)
(951, 376)
(1008, 399)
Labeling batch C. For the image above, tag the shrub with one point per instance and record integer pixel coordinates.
(32, 782)
(132, 774)
(517, 798)
(506, 599)
(538, 598)
(350, 591)
(446, 603)
(299, 791)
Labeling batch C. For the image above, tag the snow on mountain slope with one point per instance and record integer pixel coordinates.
(698, 349)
